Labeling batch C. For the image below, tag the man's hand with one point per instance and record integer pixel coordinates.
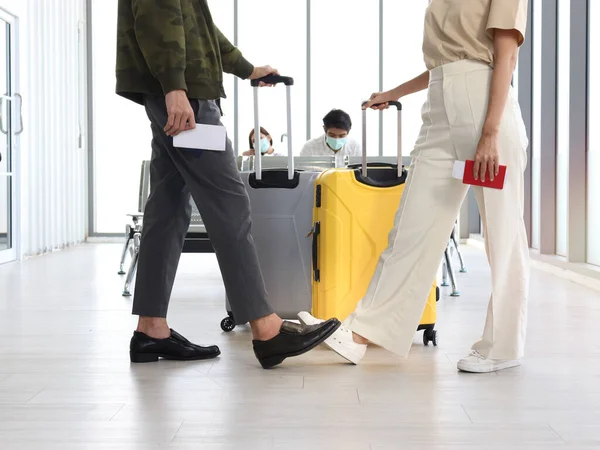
(180, 113)
(263, 71)
(486, 157)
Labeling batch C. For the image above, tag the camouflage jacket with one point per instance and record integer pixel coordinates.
(165, 45)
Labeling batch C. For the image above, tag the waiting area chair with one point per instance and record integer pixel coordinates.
(196, 240)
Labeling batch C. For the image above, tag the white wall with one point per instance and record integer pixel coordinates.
(52, 165)
(16, 7)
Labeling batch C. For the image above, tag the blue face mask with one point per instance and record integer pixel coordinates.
(336, 143)
(264, 145)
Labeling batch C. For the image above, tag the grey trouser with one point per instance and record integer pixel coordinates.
(214, 182)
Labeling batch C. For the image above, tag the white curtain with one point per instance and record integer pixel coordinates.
(53, 147)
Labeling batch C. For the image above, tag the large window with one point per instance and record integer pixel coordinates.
(537, 123)
(562, 125)
(345, 63)
(593, 188)
(274, 33)
(402, 60)
(121, 130)
(344, 70)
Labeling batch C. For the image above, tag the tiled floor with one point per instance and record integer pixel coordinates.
(66, 382)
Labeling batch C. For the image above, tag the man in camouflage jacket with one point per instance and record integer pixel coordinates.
(171, 58)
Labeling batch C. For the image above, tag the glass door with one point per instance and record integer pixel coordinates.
(9, 128)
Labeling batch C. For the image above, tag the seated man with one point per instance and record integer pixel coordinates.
(337, 125)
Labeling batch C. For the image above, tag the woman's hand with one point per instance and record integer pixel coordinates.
(379, 100)
(382, 99)
(486, 157)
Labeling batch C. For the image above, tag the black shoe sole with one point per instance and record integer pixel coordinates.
(153, 357)
(272, 361)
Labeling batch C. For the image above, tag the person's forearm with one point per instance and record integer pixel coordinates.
(499, 88)
(410, 87)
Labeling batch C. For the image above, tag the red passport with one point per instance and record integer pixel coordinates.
(463, 170)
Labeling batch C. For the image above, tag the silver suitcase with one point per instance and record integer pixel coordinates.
(308, 163)
(281, 202)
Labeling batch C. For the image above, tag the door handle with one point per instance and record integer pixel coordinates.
(2, 129)
(20, 115)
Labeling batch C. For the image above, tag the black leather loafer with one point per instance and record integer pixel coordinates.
(293, 340)
(144, 348)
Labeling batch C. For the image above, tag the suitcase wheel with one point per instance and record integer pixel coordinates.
(430, 335)
(227, 324)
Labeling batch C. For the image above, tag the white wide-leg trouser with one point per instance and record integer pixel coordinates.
(453, 117)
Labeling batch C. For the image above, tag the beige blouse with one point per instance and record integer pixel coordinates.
(464, 29)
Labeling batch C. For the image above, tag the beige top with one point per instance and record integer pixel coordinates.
(464, 29)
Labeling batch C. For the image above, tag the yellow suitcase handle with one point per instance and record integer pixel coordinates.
(398, 106)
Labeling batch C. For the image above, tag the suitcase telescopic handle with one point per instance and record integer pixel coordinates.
(398, 106)
(273, 79)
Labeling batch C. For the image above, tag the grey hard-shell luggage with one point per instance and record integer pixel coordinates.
(305, 163)
(281, 202)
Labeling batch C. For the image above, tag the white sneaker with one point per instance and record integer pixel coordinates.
(340, 342)
(477, 363)
(307, 318)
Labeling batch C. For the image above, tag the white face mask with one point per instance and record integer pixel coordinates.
(336, 143)
(264, 145)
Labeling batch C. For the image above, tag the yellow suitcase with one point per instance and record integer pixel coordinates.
(353, 215)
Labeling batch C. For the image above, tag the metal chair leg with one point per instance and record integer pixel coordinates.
(444, 271)
(463, 268)
(125, 248)
(132, 266)
(455, 292)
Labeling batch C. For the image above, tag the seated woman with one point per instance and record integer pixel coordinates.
(266, 144)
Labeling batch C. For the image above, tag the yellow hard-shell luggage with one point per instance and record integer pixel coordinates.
(353, 215)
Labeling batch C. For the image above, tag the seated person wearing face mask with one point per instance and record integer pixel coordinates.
(337, 125)
(265, 145)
